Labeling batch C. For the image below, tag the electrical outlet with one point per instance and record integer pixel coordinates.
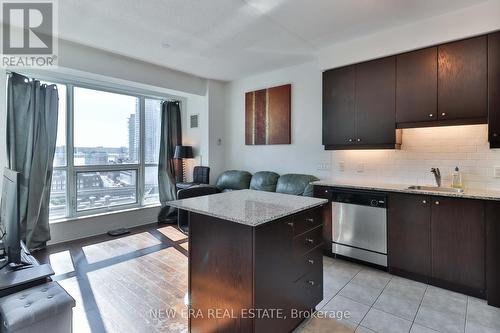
(324, 166)
(496, 172)
(341, 166)
(361, 167)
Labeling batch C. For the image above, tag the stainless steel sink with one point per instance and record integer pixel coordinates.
(435, 189)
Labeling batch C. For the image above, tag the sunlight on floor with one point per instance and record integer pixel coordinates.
(172, 233)
(120, 246)
(61, 262)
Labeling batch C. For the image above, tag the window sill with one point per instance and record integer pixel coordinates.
(83, 217)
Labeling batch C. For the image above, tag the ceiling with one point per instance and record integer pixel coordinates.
(229, 39)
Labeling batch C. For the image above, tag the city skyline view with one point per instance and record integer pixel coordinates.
(93, 146)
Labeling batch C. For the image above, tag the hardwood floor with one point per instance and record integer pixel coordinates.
(128, 284)
(133, 283)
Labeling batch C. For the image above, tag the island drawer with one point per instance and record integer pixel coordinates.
(307, 220)
(309, 289)
(311, 261)
(307, 241)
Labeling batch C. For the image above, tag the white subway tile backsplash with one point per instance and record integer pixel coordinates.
(423, 148)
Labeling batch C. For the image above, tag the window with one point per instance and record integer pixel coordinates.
(105, 189)
(107, 151)
(152, 128)
(106, 128)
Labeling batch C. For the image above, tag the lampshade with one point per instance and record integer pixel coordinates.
(183, 152)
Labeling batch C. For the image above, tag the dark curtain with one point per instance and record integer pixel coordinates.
(169, 169)
(32, 111)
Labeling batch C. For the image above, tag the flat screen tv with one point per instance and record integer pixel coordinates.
(10, 217)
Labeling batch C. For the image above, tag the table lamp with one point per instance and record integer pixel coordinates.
(183, 152)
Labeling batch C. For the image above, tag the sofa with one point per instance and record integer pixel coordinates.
(296, 184)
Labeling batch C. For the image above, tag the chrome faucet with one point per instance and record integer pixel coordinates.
(437, 175)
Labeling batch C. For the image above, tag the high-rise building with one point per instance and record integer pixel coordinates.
(152, 130)
(133, 135)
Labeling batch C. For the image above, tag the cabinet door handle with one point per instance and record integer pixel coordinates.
(443, 114)
(310, 282)
(359, 140)
(310, 261)
(350, 140)
(326, 191)
(310, 240)
(437, 203)
(290, 224)
(495, 135)
(431, 115)
(310, 219)
(424, 201)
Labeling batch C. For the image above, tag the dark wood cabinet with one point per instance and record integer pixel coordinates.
(450, 84)
(458, 242)
(462, 79)
(324, 192)
(409, 236)
(338, 106)
(375, 102)
(494, 89)
(416, 86)
(359, 106)
(438, 240)
(241, 270)
(493, 252)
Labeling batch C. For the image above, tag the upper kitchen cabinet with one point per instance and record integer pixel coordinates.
(359, 106)
(375, 103)
(463, 80)
(494, 89)
(416, 86)
(338, 106)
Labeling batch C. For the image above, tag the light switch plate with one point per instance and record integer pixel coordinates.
(496, 172)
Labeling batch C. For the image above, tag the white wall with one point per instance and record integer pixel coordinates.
(217, 124)
(306, 151)
(196, 137)
(463, 23)
(91, 60)
(100, 224)
(424, 148)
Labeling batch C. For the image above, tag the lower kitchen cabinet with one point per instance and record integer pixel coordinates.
(493, 252)
(439, 240)
(409, 241)
(458, 238)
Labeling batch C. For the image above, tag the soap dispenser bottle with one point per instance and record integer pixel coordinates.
(456, 178)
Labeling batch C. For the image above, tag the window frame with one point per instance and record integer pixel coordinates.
(72, 170)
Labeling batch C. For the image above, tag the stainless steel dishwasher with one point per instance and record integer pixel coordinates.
(359, 222)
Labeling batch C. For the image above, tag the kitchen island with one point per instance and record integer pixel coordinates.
(255, 260)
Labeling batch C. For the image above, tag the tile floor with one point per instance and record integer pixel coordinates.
(379, 302)
(115, 282)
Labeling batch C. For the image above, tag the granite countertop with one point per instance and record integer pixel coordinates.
(468, 193)
(248, 207)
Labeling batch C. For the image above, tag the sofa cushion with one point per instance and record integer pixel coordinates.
(264, 181)
(234, 180)
(296, 184)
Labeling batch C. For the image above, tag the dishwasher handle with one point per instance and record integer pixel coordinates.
(362, 198)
